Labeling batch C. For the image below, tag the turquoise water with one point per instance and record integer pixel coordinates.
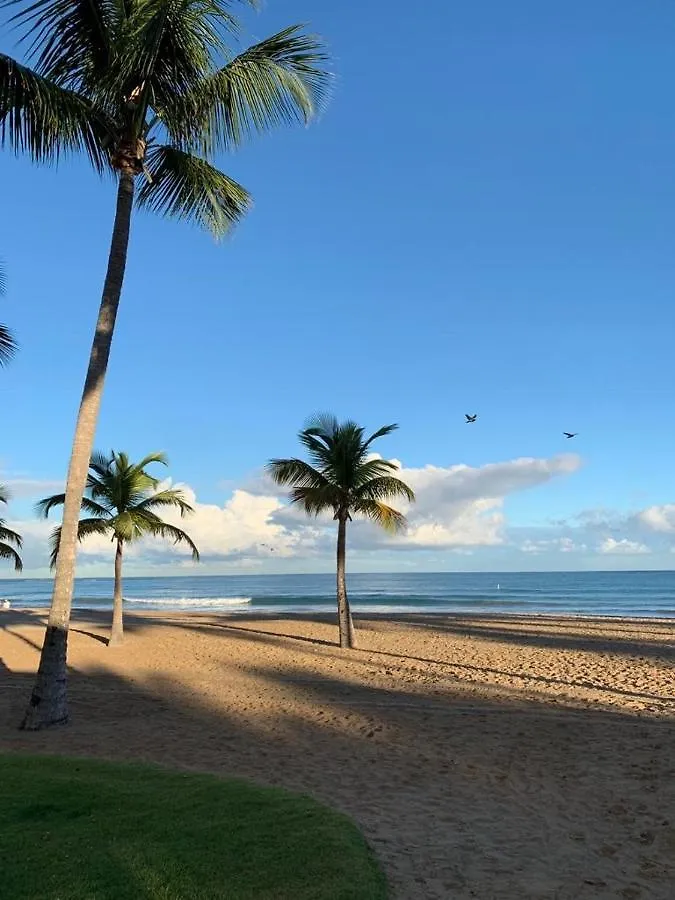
(649, 594)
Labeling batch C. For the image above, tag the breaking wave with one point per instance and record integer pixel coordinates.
(187, 602)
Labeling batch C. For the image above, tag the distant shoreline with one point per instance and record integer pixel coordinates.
(406, 618)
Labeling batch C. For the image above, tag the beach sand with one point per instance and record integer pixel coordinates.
(500, 757)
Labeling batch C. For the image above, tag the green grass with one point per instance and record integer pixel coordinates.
(82, 830)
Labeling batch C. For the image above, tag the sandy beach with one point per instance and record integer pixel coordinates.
(482, 757)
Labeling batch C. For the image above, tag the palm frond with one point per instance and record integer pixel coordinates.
(373, 468)
(8, 345)
(295, 472)
(278, 81)
(170, 44)
(7, 552)
(44, 119)
(319, 446)
(45, 506)
(157, 457)
(100, 463)
(383, 488)
(9, 536)
(71, 40)
(323, 424)
(126, 527)
(85, 528)
(386, 517)
(315, 500)
(171, 498)
(153, 525)
(4, 493)
(184, 186)
(381, 432)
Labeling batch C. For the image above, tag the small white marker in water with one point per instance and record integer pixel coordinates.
(497, 587)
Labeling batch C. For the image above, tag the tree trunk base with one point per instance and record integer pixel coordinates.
(49, 701)
(115, 640)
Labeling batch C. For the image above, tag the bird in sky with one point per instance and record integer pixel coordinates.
(569, 434)
(469, 418)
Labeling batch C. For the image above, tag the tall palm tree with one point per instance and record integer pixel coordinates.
(10, 541)
(345, 479)
(7, 342)
(122, 501)
(149, 89)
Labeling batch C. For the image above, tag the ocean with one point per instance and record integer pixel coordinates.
(641, 594)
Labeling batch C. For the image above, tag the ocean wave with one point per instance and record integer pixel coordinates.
(189, 601)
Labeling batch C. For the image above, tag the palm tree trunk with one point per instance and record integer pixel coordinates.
(345, 622)
(117, 633)
(49, 701)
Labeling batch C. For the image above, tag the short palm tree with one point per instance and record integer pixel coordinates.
(7, 342)
(122, 501)
(10, 541)
(150, 90)
(344, 478)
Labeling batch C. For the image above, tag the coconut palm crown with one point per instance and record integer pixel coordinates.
(7, 342)
(123, 502)
(343, 477)
(10, 541)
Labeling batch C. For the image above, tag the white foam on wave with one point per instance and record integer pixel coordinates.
(189, 601)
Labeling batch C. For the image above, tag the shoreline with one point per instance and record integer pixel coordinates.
(328, 617)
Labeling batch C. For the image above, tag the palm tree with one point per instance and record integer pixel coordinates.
(7, 342)
(343, 477)
(10, 541)
(122, 500)
(146, 88)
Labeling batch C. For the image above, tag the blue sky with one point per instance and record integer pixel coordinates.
(481, 221)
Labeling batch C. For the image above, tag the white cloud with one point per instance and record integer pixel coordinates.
(462, 505)
(30, 487)
(612, 546)
(658, 518)
(245, 526)
(457, 507)
(559, 544)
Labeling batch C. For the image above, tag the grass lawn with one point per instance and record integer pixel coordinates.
(74, 829)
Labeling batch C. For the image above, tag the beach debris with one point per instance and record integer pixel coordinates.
(569, 434)
(469, 418)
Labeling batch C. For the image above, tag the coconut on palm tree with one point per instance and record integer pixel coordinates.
(122, 501)
(7, 342)
(10, 541)
(345, 478)
(149, 90)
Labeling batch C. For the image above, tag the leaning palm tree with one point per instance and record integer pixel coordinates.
(7, 342)
(10, 541)
(149, 90)
(122, 501)
(344, 478)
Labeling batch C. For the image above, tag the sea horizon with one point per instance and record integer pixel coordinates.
(630, 593)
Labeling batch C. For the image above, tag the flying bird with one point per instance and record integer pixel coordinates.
(569, 434)
(469, 418)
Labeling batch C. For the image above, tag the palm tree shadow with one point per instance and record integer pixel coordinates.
(361, 657)
(91, 634)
